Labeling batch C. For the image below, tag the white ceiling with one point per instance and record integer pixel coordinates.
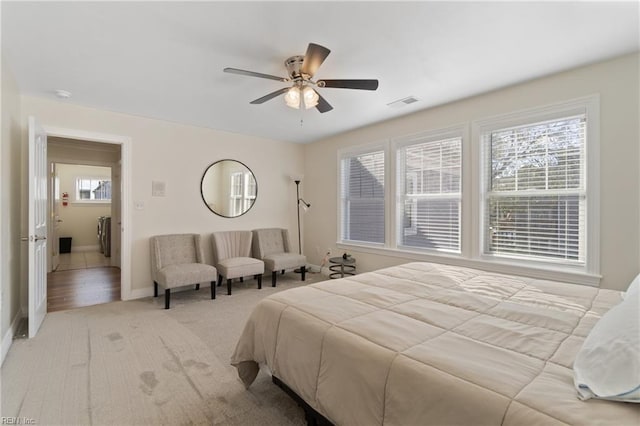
(164, 59)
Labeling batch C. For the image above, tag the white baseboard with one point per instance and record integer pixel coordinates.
(7, 340)
(85, 248)
(139, 293)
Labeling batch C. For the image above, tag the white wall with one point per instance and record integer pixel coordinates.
(10, 216)
(79, 220)
(178, 155)
(617, 83)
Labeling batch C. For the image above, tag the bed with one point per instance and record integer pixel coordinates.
(426, 343)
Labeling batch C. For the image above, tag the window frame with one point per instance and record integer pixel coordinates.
(472, 202)
(76, 192)
(438, 135)
(589, 106)
(352, 152)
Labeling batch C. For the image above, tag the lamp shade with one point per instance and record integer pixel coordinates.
(310, 97)
(292, 97)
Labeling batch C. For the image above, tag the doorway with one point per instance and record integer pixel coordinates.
(85, 218)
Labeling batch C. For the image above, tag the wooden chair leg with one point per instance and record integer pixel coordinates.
(241, 279)
(213, 289)
(303, 269)
(167, 298)
(229, 286)
(155, 289)
(198, 286)
(259, 278)
(219, 280)
(274, 274)
(282, 272)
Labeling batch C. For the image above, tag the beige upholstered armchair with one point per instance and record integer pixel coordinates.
(176, 261)
(232, 251)
(272, 246)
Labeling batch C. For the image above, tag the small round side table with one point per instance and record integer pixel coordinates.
(342, 267)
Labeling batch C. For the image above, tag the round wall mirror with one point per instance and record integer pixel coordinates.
(229, 188)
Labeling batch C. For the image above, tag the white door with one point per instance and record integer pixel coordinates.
(54, 218)
(116, 216)
(37, 226)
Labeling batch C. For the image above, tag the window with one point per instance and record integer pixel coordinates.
(242, 193)
(250, 191)
(535, 196)
(429, 193)
(362, 197)
(93, 189)
(529, 204)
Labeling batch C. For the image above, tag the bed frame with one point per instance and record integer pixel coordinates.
(312, 417)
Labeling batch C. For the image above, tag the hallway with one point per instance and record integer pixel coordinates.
(82, 279)
(82, 260)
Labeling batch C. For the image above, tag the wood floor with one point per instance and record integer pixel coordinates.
(76, 288)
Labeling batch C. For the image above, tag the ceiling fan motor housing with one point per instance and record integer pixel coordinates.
(293, 65)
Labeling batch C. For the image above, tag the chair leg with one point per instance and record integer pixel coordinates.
(303, 269)
(198, 286)
(229, 286)
(259, 278)
(219, 280)
(274, 274)
(213, 289)
(241, 279)
(282, 272)
(167, 298)
(155, 289)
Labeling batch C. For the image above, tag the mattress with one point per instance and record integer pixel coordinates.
(426, 343)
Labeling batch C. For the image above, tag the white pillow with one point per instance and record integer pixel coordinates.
(608, 365)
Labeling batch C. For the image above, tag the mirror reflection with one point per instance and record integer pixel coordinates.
(229, 188)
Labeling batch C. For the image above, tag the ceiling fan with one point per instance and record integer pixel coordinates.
(301, 70)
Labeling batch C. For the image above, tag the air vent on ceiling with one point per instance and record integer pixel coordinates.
(402, 102)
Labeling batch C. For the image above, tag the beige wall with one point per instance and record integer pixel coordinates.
(10, 196)
(617, 83)
(79, 220)
(178, 155)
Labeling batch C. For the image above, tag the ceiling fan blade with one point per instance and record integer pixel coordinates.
(271, 95)
(314, 57)
(254, 74)
(323, 105)
(350, 84)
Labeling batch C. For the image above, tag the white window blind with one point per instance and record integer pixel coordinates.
(362, 197)
(535, 200)
(429, 194)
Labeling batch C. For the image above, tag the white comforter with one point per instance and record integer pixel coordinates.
(425, 343)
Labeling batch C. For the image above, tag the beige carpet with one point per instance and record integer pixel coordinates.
(134, 363)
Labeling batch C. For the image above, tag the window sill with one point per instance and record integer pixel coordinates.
(90, 203)
(501, 266)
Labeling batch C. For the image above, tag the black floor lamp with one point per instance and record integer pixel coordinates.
(306, 205)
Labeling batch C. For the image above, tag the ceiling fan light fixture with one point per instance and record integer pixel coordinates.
(292, 97)
(310, 97)
(301, 70)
